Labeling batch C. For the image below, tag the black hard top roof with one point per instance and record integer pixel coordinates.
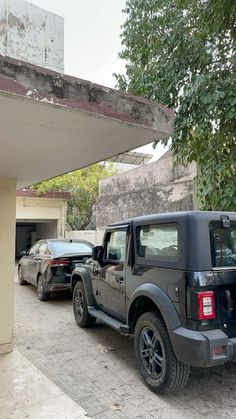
(168, 216)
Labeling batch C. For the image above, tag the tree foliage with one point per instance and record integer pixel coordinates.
(83, 186)
(182, 54)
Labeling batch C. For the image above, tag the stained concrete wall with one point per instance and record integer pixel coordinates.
(93, 236)
(153, 188)
(31, 34)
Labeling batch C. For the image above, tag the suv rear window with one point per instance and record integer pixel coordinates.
(159, 241)
(223, 244)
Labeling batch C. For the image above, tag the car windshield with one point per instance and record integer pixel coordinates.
(63, 248)
(223, 244)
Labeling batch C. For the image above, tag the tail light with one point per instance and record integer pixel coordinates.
(59, 262)
(206, 305)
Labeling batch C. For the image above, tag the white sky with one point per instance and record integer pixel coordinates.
(92, 41)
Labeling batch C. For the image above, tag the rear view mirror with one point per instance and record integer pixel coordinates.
(23, 253)
(97, 253)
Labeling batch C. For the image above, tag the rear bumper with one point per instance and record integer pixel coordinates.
(58, 287)
(197, 348)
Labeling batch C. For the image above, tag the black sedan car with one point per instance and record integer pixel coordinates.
(49, 263)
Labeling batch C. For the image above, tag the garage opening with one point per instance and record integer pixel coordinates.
(28, 232)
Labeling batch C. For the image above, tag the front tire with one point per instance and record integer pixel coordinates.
(21, 280)
(80, 307)
(42, 294)
(155, 356)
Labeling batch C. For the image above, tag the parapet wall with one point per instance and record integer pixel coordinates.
(153, 188)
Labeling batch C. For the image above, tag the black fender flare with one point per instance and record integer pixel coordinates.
(162, 302)
(87, 282)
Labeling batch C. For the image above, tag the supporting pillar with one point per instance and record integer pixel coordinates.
(7, 261)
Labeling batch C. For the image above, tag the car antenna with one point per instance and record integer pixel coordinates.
(70, 240)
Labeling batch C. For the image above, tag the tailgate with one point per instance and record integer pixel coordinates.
(226, 301)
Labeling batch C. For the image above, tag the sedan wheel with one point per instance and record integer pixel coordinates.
(21, 280)
(42, 295)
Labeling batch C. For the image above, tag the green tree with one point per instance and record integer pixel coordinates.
(83, 186)
(182, 54)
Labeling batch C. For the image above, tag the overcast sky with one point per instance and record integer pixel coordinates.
(92, 40)
(92, 37)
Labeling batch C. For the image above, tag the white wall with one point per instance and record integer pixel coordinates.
(31, 34)
(93, 236)
(40, 209)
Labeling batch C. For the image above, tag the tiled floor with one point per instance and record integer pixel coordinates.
(26, 393)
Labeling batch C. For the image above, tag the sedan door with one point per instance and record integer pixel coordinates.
(28, 260)
(36, 261)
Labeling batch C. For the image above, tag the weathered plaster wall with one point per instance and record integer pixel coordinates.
(93, 236)
(152, 188)
(32, 34)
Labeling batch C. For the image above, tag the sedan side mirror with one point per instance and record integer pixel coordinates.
(97, 253)
(23, 253)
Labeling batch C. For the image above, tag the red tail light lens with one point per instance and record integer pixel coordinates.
(59, 262)
(206, 305)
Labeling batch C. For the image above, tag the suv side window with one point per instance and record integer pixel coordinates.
(158, 241)
(116, 245)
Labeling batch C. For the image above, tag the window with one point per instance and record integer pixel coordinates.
(63, 248)
(43, 250)
(223, 244)
(158, 241)
(116, 245)
(34, 249)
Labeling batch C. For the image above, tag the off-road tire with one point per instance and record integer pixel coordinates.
(168, 374)
(42, 294)
(21, 280)
(80, 307)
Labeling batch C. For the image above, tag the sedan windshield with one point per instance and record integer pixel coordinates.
(63, 248)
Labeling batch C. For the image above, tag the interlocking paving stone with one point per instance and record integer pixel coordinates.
(69, 356)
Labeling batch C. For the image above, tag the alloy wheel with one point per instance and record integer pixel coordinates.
(79, 303)
(152, 353)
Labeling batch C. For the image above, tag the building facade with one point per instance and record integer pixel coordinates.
(39, 217)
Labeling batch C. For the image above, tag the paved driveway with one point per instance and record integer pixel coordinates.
(107, 385)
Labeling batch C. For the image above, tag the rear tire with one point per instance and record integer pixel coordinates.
(21, 280)
(42, 294)
(155, 356)
(80, 307)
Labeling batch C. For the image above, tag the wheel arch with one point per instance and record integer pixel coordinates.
(38, 275)
(149, 297)
(81, 274)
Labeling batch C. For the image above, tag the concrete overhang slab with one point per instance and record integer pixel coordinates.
(46, 132)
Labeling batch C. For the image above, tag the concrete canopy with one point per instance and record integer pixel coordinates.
(52, 124)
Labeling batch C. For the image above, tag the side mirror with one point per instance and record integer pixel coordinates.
(97, 253)
(24, 253)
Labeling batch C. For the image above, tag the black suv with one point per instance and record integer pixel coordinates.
(169, 280)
